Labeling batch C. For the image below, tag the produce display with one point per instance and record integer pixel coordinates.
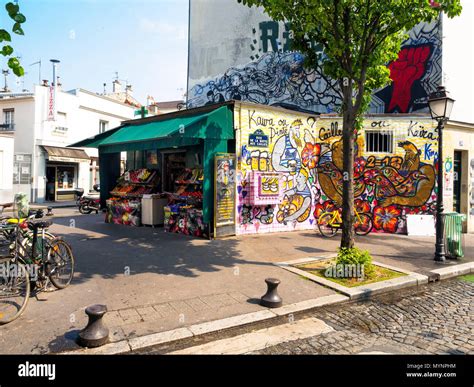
(127, 212)
(184, 219)
(191, 176)
(142, 175)
(124, 207)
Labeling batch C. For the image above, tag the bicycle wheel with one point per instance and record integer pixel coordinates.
(364, 225)
(14, 290)
(60, 263)
(325, 227)
(25, 247)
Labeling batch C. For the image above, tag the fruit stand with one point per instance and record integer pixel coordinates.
(184, 213)
(124, 205)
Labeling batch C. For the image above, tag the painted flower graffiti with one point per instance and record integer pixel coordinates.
(386, 218)
(359, 167)
(310, 155)
(327, 206)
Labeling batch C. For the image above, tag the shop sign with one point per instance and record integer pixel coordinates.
(258, 139)
(67, 159)
(51, 105)
(224, 208)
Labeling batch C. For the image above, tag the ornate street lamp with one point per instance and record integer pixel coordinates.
(441, 105)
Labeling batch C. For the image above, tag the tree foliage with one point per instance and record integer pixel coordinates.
(13, 11)
(359, 38)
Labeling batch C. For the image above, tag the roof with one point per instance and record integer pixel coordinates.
(176, 130)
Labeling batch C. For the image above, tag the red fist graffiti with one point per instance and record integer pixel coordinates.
(409, 67)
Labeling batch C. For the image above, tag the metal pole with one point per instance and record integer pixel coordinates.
(440, 252)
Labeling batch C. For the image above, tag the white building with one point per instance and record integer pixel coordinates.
(35, 135)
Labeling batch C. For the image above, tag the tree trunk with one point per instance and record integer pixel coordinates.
(348, 140)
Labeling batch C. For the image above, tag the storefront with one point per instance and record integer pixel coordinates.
(63, 166)
(267, 169)
(170, 159)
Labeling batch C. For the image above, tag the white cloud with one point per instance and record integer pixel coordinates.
(177, 31)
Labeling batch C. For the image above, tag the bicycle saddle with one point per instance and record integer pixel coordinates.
(36, 224)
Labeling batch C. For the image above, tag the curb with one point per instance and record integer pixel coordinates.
(360, 292)
(133, 344)
(196, 330)
(454, 271)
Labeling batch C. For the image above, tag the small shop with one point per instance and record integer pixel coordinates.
(63, 166)
(240, 168)
(170, 173)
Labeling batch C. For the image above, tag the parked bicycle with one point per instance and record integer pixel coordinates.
(31, 261)
(329, 222)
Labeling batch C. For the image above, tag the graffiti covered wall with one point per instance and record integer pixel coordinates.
(290, 170)
(238, 53)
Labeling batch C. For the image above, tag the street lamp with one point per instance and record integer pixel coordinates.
(441, 105)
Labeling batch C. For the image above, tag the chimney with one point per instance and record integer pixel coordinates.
(116, 86)
(128, 90)
(45, 83)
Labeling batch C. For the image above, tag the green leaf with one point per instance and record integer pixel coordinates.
(7, 50)
(12, 9)
(19, 18)
(17, 29)
(18, 71)
(5, 36)
(13, 62)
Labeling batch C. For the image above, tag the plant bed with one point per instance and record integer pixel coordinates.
(379, 273)
(468, 278)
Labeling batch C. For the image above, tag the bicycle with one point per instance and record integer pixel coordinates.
(330, 222)
(36, 260)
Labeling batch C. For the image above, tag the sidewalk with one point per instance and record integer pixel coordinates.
(152, 281)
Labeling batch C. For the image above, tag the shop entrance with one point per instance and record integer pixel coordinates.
(174, 164)
(60, 182)
(457, 181)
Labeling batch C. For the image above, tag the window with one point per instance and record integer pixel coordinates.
(379, 141)
(103, 126)
(61, 121)
(8, 119)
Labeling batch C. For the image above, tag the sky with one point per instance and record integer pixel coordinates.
(145, 41)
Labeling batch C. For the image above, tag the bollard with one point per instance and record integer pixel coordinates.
(50, 211)
(271, 299)
(95, 334)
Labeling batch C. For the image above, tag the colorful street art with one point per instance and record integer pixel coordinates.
(306, 153)
(275, 75)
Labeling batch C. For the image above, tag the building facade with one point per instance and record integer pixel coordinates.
(244, 55)
(42, 124)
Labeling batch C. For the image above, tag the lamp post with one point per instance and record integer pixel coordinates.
(441, 105)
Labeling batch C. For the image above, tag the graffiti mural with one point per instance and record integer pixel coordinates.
(306, 153)
(275, 75)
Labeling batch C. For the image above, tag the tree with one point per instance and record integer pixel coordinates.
(359, 38)
(13, 11)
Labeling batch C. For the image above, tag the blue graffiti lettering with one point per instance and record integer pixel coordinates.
(430, 154)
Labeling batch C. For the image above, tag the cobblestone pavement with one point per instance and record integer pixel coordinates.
(433, 319)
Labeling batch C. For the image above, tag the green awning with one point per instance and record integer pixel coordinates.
(176, 131)
(94, 142)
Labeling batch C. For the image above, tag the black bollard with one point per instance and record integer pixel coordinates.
(50, 211)
(95, 333)
(271, 299)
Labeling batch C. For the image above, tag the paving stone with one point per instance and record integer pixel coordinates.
(434, 318)
(164, 310)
